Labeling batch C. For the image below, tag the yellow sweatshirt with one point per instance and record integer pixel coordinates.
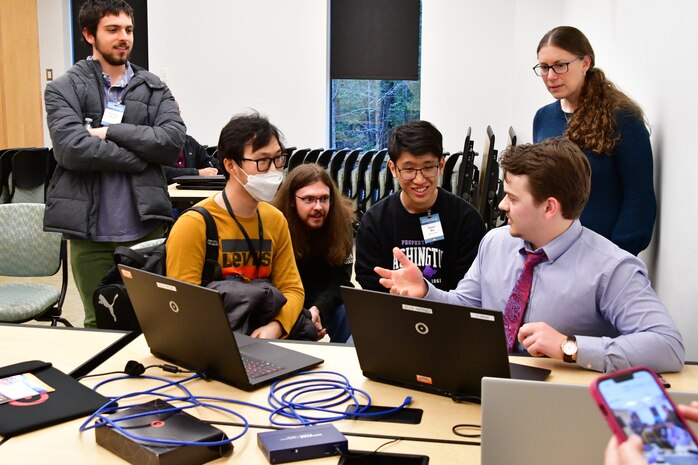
(186, 251)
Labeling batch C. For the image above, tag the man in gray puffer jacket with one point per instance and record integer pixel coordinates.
(112, 125)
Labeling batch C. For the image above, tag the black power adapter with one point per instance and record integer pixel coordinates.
(308, 442)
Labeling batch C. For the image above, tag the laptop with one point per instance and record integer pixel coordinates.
(191, 182)
(432, 346)
(187, 325)
(527, 422)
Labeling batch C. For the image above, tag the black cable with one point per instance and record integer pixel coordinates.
(350, 455)
(358, 435)
(137, 369)
(467, 425)
(101, 374)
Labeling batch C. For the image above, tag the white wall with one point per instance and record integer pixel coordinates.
(222, 57)
(54, 43)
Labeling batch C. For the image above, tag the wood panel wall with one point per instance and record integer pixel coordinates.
(20, 78)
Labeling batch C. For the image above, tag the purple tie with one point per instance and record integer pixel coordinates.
(516, 305)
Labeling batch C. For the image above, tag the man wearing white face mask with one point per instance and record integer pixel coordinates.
(254, 240)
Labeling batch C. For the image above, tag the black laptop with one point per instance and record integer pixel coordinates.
(196, 182)
(187, 325)
(432, 346)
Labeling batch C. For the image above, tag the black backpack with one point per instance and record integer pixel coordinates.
(113, 309)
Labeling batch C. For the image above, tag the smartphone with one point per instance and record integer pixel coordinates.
(410, 416)
(381, 458)
(634, 401)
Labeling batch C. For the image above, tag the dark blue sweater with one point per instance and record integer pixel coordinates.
(622, 205)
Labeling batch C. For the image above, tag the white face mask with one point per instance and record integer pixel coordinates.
(262, 187)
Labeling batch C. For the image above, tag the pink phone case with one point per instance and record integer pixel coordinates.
(608, 412)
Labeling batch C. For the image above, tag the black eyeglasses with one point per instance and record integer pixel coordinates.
(409, 174)
(311, 200)
(558, 68)
(263, 164)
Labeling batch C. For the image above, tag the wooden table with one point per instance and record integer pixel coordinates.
(68, 348)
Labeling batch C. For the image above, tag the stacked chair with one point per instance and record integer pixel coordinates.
(363, 175)
(25, 174)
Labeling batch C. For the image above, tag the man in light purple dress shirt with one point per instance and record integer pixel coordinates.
(591, 303)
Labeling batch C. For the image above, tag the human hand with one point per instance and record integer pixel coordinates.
(541, 339)
(628, 453)
(315, 314)
(98, 132)
(407, 280)
(271, 330)
(690, 412)
(208, 171)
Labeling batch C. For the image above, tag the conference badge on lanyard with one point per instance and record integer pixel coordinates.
(431, 228)
(113, 114)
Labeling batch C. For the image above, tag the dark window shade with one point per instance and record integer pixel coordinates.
(139, 53)
(374, 39)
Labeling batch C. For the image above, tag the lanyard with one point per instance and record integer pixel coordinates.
(257, 259)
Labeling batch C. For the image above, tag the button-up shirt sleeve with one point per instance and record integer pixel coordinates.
(647, 334)
(588, 288)
(468, 291)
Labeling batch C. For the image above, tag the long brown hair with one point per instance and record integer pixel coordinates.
(334, 241)
(593, 124)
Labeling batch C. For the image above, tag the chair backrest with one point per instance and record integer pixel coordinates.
(26, 249)
(211, 150)
(296, 159)
(5, 169)
(30, 175)
(335, 165)
(345, 173)
(379, 164)
(450, 171)
(324, 158)
(359, 176)
(512, 137)
(312, 156)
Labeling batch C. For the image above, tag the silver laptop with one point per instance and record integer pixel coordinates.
(534, 423)
(187, 325)
(430, 346)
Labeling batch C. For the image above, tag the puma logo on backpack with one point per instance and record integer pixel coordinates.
(113, 309)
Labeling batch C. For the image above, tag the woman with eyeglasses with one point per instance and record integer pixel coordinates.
(611, 130)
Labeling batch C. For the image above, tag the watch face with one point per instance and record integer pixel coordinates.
(569, 347)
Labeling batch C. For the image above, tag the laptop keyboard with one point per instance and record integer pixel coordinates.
(256, 368)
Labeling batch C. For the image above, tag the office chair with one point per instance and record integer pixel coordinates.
(27, 251)
(345, 173)
(296, 159)
(512, 137)
(211, 150)
(324, 158)
(30, 175)
(288, 151)
(312, 156)
(450, 169)
(361, 180)
(335, 165)
(468, 173)
(5, 170)
(379, 165)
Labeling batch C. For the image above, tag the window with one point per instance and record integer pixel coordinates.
(374, 67)
(363, 112)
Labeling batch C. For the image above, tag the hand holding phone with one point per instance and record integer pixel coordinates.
(634, 401)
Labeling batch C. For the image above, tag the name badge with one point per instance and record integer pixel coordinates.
(431, 228)
(113, 114)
